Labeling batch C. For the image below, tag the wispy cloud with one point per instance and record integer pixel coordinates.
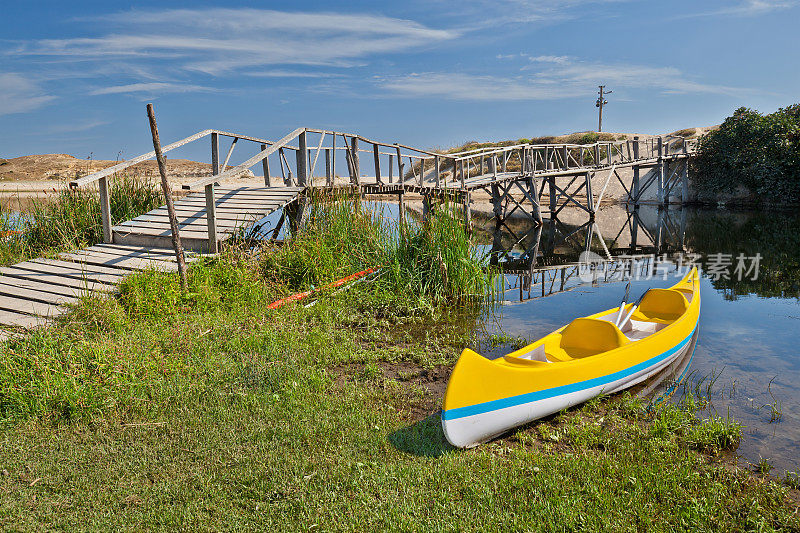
(279, 73)
(219, 41)
(566, 78)
(19, 94)
(561, 60)
(746, 8)
(490, 13)
(154, 88)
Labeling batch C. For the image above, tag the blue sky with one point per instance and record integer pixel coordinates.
(75, 76)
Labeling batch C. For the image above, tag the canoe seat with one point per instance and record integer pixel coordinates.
(661, 305)
(589, 336)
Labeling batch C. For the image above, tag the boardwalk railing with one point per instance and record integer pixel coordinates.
(308, 144)
(395, 167)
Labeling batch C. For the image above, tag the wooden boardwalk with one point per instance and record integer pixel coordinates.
(34, 292)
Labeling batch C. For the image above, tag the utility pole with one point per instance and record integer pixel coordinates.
(599, 104)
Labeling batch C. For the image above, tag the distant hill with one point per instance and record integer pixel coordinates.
(580, 137)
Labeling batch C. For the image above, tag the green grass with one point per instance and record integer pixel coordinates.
(72, 218)
(207, 411)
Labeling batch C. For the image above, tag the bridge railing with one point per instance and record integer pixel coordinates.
(529, 159)
(310, 147)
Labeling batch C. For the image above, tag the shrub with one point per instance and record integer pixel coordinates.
(758, 152)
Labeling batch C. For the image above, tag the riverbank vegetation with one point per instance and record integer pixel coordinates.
(71, 219)
(158, 409)
(752, 154)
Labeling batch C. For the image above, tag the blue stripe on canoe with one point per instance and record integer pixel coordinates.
(494, 405)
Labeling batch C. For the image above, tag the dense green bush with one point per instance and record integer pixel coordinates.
(758, 152)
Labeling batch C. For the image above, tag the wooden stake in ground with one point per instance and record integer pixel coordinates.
(173, 220)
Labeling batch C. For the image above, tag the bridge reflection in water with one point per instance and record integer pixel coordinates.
(540, 260)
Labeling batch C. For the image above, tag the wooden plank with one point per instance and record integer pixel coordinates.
(242, 202)
(68, 270)
(52, 283)
(193, 220)
(245, 195)
(95, 269)
(191, 242)
(164, 254)
(229, 221)
(127, 263)
(160, 232)
(227, 211)
(15, 288)
(242, 205)
(11, 319)
(255, 191)
(30, 307)
(193, 227)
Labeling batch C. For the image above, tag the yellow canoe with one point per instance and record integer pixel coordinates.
(586, 358)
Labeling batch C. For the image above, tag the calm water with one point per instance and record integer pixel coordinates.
(748, 347)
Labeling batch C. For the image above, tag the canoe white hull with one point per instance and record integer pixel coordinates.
(469, 431)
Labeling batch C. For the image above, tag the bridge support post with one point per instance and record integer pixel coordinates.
(467, 212)
(355, 176)
(551, 182)
(105, 209)
(634, 228)
(376, 156)
(302, 160)
(211, 204)
(635, 185)
(589, 197)
(536, 211)
(497, 205)
(426, 207)
(265, 168)
(402, 210)
(685, 177)
(662, 170)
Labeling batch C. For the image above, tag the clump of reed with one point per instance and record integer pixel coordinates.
(339, 238)
(422, 264)
(72, 219)
(435, 260)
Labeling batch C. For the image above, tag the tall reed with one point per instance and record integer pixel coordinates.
(72, 219)
(430, 262)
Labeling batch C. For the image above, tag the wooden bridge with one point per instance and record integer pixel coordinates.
(516, 177)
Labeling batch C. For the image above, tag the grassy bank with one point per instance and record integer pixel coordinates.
(72, 219)
(157, 410)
